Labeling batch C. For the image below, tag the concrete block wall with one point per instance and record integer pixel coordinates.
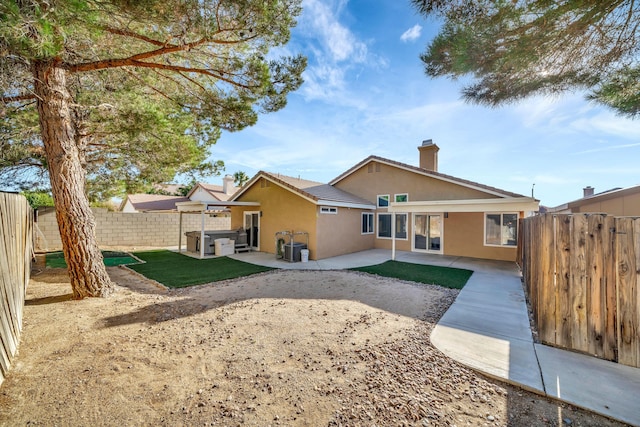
(128, 230)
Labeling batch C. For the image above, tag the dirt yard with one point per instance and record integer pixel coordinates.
(284, 348)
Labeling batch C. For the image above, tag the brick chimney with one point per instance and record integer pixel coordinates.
(227, 185)
(429, 155)
(587, 191)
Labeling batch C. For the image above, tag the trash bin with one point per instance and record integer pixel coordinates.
(292, 252)
(304, 255)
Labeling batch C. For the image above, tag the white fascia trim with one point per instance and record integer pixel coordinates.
(204, 206)
(344, 204)
(516, 204)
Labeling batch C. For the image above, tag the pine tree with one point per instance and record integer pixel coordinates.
(122, 86)
(514, 49)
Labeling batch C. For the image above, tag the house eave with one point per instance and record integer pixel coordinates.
(205, 206)
(511, 204)
(344, 204)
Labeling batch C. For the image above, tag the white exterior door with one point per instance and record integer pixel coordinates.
(427, 232)
(252, 227)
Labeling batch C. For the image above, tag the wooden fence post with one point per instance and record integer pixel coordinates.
(610, 341)
(627, 301)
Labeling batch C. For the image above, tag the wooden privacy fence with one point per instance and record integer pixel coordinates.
(582, 276)
(16, 242)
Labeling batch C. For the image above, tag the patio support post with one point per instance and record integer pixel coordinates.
(180, 234)
(393, 236)
(202, 235)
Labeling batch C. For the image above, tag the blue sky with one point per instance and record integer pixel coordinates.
(365, 93)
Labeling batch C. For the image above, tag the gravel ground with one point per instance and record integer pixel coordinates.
(286, 348)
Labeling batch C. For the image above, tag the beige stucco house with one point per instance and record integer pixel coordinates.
(617, 202)
(381, 203)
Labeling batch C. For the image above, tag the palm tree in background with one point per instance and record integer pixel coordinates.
(240, 178)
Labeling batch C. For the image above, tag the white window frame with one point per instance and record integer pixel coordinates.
(382, 196)
(372, 222)
(406, 225)
(502, 214)
(332, 210)
(380, 214)
(395, 197)
(406, 215)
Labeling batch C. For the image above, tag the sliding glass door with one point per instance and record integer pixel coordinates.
(427, 233)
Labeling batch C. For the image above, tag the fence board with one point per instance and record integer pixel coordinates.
(627, 292)
(16, 243)
(610, 333)
(546, 280)
(563, 228)
(635, 305)
(595, 291)
(578, 285)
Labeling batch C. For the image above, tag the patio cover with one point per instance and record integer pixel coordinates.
(505, 204)
(204, 208)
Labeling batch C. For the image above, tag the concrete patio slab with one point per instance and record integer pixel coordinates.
(504, 358)
(598, 385)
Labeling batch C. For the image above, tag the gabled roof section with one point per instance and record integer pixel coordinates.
(315, 192)
(153, 202)
(216, 191)
(437, 175)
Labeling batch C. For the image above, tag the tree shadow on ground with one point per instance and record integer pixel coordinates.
(49, 300)
(406, 299)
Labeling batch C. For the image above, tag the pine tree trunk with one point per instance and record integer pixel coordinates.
(76, 222)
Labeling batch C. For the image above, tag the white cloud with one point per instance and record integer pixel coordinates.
(411, 34)
(338, 42)
(334, 53)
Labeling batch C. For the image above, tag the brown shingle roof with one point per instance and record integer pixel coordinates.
(154, 202)
(426, 172)
(313, 190)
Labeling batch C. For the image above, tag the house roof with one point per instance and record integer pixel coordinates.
(316, 192)
(437, 175)
(171, 189)
(599, 197)
(215, 190)
(153, 202)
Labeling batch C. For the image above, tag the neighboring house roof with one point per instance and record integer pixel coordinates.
(216, 191)
(316, 192)
(169, 188)
(152, 202)
(437, 175)
(598, 197)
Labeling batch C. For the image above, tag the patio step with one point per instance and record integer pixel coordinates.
(244, 247)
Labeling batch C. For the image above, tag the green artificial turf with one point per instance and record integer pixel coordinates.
(444, 276)
(111, 258)
(177, 271)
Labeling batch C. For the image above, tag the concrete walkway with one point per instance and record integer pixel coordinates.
(487, 329)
